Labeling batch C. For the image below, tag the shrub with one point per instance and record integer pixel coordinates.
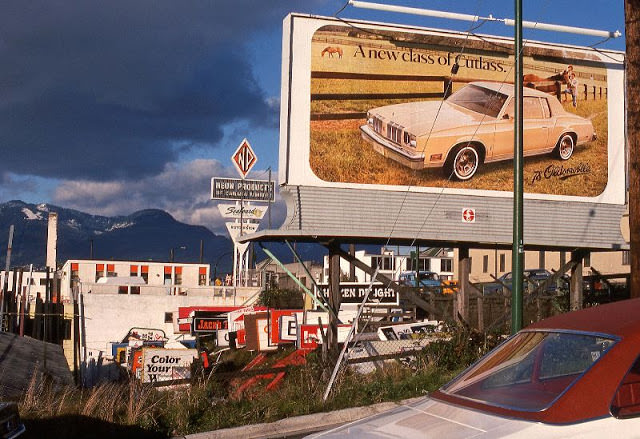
(281, 299)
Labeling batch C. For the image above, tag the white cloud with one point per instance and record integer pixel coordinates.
(183, 190)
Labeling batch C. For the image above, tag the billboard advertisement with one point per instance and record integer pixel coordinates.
(404, 110)
(394, 108)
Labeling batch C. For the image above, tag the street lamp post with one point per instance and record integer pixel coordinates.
(215, 265)
(172, 251)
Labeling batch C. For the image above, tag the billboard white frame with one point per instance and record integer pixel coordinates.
(295, 129)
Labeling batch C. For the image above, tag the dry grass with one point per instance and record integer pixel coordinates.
(127, 404)
(129, 409)
(338, 154)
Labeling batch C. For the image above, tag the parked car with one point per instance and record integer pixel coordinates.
(10, 424)
(536, 277)
(425, 279)
(572, 375)
(471, 127)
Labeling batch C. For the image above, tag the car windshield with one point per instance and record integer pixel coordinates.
(428, 276)
(537, 273)
(530, 370)
(479, 99)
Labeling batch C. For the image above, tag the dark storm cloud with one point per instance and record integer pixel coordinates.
(102, 90)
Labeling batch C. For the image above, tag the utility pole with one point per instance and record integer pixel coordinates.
(632, 28)
(5, 286)
(517, 251)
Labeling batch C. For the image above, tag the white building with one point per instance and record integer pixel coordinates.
(129, 277)
(488, 263)
(31, 285)
(485, 263)
(393, 261)
(120, 295)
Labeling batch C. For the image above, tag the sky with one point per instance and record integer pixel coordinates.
(113, 107)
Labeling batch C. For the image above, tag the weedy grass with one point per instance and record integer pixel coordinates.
(131, 409)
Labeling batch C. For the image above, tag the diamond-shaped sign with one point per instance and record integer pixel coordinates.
(244, 158)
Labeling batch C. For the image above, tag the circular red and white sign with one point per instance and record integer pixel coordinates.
(468, 215)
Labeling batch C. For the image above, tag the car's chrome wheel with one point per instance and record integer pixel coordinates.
(465, 162)
(565, 147)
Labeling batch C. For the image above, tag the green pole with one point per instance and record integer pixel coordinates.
(517, 251)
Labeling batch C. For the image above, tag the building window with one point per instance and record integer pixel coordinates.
(168, 317)
(626, 257)
(178, 278)
(587, 259)
(446, 265)
(563, 260)
(384, 262)
(202, 276)
(541, 259)
(485, 263)
(503, 260)
(75, 275)
(133, 271)
(167, 275)
(144, 272)
(123, 289)
(135, 290)
(424, 264)
(99, 271)
(111, 271)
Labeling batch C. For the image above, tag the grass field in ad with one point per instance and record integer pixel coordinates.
(338, 154)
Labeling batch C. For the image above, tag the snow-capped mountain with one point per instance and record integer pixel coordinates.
(146, 235)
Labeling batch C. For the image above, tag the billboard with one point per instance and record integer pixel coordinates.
(242, 189)
(400, 110)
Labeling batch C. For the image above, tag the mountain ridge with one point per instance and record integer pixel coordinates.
(144, 235)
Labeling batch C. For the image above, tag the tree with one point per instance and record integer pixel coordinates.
(632, 31)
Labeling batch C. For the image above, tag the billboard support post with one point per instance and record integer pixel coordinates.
(334, 299)
(464, 268)
(517, 251)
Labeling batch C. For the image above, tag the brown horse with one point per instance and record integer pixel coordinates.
(532, 80)
(331, 50)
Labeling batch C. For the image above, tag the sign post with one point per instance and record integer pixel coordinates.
(243, 216)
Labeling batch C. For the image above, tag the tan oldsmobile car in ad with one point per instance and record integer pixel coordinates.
(473, 126)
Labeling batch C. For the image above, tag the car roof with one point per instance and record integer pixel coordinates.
(508, 89)
(619, 318)
(590, 396)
